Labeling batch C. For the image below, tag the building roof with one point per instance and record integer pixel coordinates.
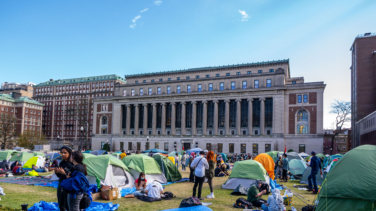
(82, 80)
(9, 98)
(254, 64)
(365, 35)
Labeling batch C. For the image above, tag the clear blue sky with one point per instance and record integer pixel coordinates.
(40, 40)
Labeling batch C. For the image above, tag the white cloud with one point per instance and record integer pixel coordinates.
(245, 16)
(134, 21)
(157, 2)
(144, 10)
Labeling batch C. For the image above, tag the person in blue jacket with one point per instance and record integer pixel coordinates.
(315, 168)
(62, 171)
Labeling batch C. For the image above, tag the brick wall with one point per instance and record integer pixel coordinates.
(292, 99)
(313, 118)
(110, 107)
(99, 109)
(312, 97)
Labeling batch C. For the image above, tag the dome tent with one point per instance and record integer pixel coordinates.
(109, 170)
(142, 163)
(297, 167)
(267, 162)
(170, 171)
(99, 152)
(38, 161)
(274, 155)
(351, 184)
(307, 172)
(21, 157)
(246, 173)
(54, 156)
(303, 155)
(155, 151)
(291, 155)
(7, 154)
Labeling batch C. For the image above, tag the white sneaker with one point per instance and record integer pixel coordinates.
(211, 196)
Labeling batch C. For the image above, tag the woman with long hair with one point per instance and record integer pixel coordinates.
(210, 173)
(140, 185)
(77, 159)
(62, 171)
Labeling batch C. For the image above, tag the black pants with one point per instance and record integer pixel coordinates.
(258, 203)
(284, 174)
(210, 182)
(62, 198)
(198, 181)
(191, 175)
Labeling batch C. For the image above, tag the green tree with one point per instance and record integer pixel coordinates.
(7, 128)
(28, 139)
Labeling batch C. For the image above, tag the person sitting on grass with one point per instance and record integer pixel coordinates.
(218, 172)
(224, 169)
(275, 202)
(254, 195)
(140, 185)
(154, 190)
(4, 165)
(14, 164)
(33, 167)
(17, 170)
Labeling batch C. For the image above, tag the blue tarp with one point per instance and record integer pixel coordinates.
(155, 151)
(127, 191)
(53, 206)
(274, 184)
(49, 184)
(194, 208)
(181, 180)
(195, 150)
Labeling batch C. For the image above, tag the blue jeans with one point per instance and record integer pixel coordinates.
(177, 164)
(312, 177)
(264, 207)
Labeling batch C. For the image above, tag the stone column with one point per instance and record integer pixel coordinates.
(154, 130)
(238, 116)
(194, 111)
(205, 117)
(215, 123)
(250, 115)
(173, 118)
(183, 110)
(227, 117)
(163, 128)
(136, 118)
(145, 119)
(262, 116)
(128, 119)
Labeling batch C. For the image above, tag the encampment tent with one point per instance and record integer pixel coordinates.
(155, 151)
(224, 157)
(7, 154)
(274, 155)
(54, 156)
(39, 154)
(87, 151)
(267, 162)
(297, 167)
(320, 155)
(21, 157)
(307, 172)
(88, 155)
(109, 170)
(331, 165)
(245, 173)
(329, 159)
(195, 150)
(99, 152)
(303, 155)
(351, 184)
(292, 155)
(116, 155)
(142, 163)
(38, 161)
(170, 171)
(172, 159)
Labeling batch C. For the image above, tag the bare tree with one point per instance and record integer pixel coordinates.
(78, 113)
(343, 111)
(28, 139)
(7, 128)
(214, 148)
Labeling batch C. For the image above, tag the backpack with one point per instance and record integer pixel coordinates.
(190, 202)
(309, 208)
(242, 202)
(168, 196)
(85, 201)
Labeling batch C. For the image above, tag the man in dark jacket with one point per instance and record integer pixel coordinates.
(4, 165)
(315, 168)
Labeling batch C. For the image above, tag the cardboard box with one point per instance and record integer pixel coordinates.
(109, 194)
(96, 196)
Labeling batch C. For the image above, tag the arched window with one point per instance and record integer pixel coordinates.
(104, 125)
(302, 122)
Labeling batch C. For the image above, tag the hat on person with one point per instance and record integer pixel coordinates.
(313, 153)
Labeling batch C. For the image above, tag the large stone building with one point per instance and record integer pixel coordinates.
(68, 114)
(244, 108)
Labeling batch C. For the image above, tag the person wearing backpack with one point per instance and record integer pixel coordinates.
(191, 174)
(210, 173)
(200, 164)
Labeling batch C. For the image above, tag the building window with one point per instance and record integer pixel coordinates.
(271, 70)
(237, 73)
(124, 93)
(221, 114)
(199, 87)
(159, 117)
(169, 79)
(188, 88)
(268, 147)
(243, 148)
(178, 78)
(299, 98)
(269, 83)
(144, 81)
(244, 114)
(260, 71)
(159, 90)
(233, 85)
(208, 146)
(220, 147)
(168, 115)
(210, 114)
(227, 74)
(121, 146)
(244, 84)
(141, 91)
(216, 75)
(256, 84)
(156, 145)
(232, 121)
(210, 87)
(249, 72)
(255, 149)
(302, 122)
(269, 112)
(152, 80)
(207, 76)
(301, 148)
(230, 148)
(130, 146)
(135, 82)
(305, 98)
(221, 86)
(150, 91)
(104, 125)
(256, 113)
(161, 79)
(166, 146)
(293, 82)
(197, 76)
(132, 92)
(138, 146)
(187, 77)
(188, 115)
(178, 89)
(168, 90)
(199, 114)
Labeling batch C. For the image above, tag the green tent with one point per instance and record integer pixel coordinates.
(329, 159)
(142, 163)
(22, 157)
(297, 167)
(88, 155)
(109, 170)
(116, 154)
(351, 184)
(224, 157)
(320, 155)
(273, 154)
(39, 154)
(170, 171)
(245, 173)
(173, 154)
(7, 154)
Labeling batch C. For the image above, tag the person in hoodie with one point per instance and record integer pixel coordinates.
(62, 171)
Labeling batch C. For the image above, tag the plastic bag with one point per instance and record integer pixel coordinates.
(288, 193)
(33, 173)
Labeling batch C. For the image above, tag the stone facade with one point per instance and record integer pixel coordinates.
(246, 108)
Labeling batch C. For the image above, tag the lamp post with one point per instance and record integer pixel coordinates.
(57, 140)
(82, 131)
(175, 146)
(147, 143)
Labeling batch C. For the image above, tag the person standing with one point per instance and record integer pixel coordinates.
(65, 167)
(183, 159)
(199, 165)
(285, 167)
(209, 174)
(122, 155)
(315, 168)
(191, 174)
(279, 165)
(177, 160)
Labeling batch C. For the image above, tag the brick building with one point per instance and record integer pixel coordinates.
(245, 108)
(363, 82)
(341, 141)
(68, 114)
(18, 90)
(27, 111)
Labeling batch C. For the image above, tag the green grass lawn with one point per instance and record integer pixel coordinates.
(20, 194)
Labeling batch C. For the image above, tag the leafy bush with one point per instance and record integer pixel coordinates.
(290, 150)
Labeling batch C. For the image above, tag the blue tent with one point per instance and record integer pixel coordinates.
(99, 152)
(195, 150)
(329, 159)
(53, 155)
(155, 151)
